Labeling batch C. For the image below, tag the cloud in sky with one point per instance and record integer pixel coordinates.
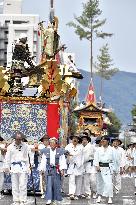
(120, 16)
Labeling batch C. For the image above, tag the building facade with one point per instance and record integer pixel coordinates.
(12, 24)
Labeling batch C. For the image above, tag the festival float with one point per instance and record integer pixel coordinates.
(53, 84)
(91, 115)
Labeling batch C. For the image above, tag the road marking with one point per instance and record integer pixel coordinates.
(128, 202)
(127, 196)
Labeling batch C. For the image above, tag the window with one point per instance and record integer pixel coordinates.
(6, 32)
(7, 22)
(20, 22)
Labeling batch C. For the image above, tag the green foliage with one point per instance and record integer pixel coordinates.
(133, 111)
(114, 128)
(88, 24)
(104, 67)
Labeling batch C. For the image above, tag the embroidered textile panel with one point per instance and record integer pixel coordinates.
(30, 119)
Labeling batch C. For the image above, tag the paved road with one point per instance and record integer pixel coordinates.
(125, 197)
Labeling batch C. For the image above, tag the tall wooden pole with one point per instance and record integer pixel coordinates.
(101, 89)
(91, 55)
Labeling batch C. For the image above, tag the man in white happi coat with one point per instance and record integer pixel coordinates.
(75, 167)
(103, 161)
(17, 163)
(134, 155)
(119, 164)
(89, 176)
(2, 156)
(53, 164)
(130, 160)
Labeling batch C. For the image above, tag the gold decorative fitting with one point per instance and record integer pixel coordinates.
(23, 99)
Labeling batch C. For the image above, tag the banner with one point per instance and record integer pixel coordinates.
(53, 120)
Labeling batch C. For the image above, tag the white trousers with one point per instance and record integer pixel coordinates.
(42, 184)
(117, 181)
(104, 184)
(89, 183)
(75, 184)
(1, 181)
(19, 186)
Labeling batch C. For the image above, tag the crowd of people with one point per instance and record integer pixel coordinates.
(94, 168)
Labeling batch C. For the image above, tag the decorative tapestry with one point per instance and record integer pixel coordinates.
(30, 119)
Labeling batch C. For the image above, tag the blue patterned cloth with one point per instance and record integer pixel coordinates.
(36, 175)
(7, 182)
(30, 119)
(36, 179)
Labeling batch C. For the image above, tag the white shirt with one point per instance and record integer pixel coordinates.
(104, 155)
(17, 158)
(41, 146)
(76, 159)
(52, 156)
(119, 158)
(62, 161)
(88, 154)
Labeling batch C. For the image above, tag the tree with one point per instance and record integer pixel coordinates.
(115, 126)
(88, 25)
(104, 67)
(133, 111)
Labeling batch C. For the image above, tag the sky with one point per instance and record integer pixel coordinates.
(120, 15)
